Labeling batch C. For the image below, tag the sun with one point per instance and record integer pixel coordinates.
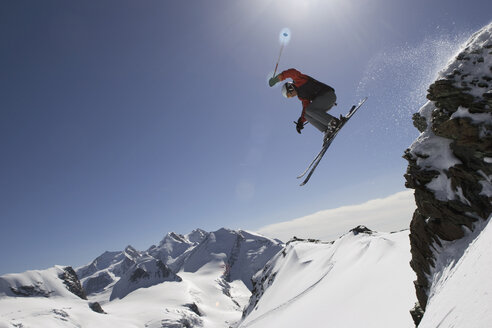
(299, 9)
(304, 10)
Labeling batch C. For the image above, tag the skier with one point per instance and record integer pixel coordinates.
(317, 98)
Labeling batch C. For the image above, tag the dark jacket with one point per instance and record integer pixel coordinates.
(307, 88)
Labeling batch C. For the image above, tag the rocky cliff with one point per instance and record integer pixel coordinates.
(450, 164)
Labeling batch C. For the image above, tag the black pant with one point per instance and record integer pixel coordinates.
(316, 112)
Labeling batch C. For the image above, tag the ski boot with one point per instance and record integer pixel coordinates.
(332, 126)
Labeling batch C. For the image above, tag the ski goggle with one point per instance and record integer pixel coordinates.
(288, 89)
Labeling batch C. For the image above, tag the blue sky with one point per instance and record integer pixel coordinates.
(121, 121)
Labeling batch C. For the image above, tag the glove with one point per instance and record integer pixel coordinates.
(274, 80)
(299, 125)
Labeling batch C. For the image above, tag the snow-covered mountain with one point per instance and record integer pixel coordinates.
(224, 278)
(55, 282)
(202, 279)
(450, 166)
(240, 253)
(238, 279)
(360, 280)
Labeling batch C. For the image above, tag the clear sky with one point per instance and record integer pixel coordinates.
(121, 120)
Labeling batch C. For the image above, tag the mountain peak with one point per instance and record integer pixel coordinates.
(237, 254)
(173, 237)
(196, 236)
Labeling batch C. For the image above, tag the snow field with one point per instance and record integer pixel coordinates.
(358, 281)
(462, 295)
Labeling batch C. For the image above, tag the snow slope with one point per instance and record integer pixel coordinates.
(38, 283)
(388, 214)
(201, 299)
(462, 295)
(242, 254)
(360, 280)
(146, 273)
(42, 299)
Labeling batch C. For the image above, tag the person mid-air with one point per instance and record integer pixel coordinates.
(317, 98)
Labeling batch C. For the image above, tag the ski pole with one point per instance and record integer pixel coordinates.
(280, 54)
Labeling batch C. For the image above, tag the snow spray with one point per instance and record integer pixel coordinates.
(396, 80)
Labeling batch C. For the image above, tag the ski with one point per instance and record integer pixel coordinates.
(314, 160)
(328, 142)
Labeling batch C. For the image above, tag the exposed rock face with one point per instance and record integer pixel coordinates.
(450, 164)
(71, 281)
(193, 307)
(35, 290)
(96, 307)
(361, 229)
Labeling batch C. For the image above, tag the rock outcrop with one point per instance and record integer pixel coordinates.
(450, 164)
(72, 282)
(96, 307)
